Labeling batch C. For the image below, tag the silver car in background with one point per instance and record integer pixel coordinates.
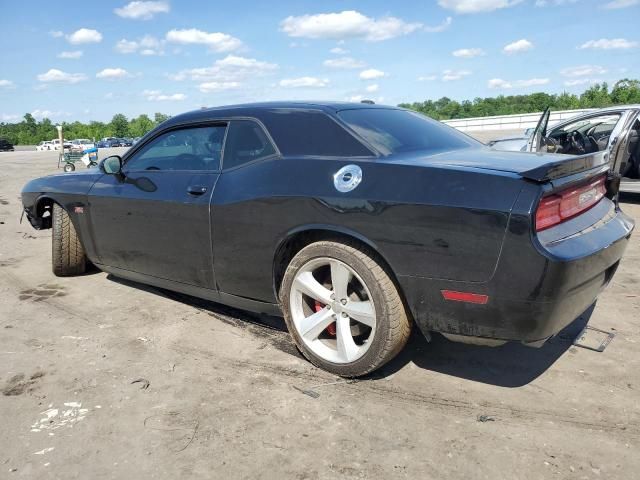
(615, 130)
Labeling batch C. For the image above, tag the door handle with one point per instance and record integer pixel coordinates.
(196, 189)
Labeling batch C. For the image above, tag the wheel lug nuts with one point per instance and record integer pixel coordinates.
(343, 301)
(344, 314)
(333, 296)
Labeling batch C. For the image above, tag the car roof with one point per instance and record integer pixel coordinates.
(250, 109)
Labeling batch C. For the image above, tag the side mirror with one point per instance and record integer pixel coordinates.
(112, 165)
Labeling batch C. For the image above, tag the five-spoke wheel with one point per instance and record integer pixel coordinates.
(342, 308)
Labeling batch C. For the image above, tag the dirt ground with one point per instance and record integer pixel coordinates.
(103, 378)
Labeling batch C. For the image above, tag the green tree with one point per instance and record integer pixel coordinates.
(160, 117)
(626, 91)
(140, 125)
(119, 125)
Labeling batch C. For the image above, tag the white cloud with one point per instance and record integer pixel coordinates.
(346, 24)
(147, 45)
(343, 62)
(58, 76)
(609, 44)
(216, 41)
(158, 96)
(84, 35)
(532, 82)
(427, 78)
(6, 84)
(373, 88)
(468, 52)
(70, 55)
(339, 51)
(304, 82)
(583, 71)
(232, 68)
(498, 83)
(56, 33)
(616, 4)
(9, 117)
(580, 81)
(372, 74)
(113, 74)
(40, 114)
(518, 46)
(544, 3)
(439, 28)
(142, 10)
(451, 75)
(476, 6)
(208, 87)
(503, 84)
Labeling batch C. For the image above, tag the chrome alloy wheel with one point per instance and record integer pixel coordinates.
(332, 310)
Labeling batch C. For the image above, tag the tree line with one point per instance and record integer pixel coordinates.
(599, 95)
(626, 91)
(31, 132)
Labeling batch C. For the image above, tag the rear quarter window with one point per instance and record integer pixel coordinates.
(311, 132)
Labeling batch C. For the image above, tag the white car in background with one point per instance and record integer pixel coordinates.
(45, 145)
(81, 144)
(56, 144)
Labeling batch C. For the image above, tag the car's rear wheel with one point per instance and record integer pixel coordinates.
(67, 254)
(342, 308)
(69, 167)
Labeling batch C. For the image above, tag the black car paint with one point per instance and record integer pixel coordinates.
(457, 220)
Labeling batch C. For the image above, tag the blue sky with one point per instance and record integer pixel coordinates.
(90, 60)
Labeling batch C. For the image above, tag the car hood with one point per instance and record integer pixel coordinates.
(509, 139)
(77, 182)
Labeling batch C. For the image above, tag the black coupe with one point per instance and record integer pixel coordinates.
(354, 221)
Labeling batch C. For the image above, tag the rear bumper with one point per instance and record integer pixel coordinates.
(536, 290)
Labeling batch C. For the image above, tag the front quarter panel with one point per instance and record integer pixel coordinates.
(70, 192)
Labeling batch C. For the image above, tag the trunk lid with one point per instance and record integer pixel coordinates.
(532, 166)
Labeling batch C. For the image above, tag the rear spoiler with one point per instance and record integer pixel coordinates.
(598, 161)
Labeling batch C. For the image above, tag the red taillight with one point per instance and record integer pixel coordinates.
(561, 206)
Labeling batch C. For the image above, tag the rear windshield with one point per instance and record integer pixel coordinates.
(399, 131)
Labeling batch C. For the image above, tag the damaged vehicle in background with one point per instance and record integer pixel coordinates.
(614, 130)
(353, 221)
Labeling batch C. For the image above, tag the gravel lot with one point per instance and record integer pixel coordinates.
(226, 390)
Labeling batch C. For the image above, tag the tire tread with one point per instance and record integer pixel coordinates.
(68, 257)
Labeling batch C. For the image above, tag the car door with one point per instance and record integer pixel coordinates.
(625, 147)
(535, 140)
(154, 218)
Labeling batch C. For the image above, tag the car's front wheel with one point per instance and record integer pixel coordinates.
(342, 308)
(67, 254)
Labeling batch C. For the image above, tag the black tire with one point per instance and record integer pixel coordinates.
(69, 167)
(67, 254)
(393, 326)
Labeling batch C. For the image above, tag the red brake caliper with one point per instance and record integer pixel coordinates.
(331, 329)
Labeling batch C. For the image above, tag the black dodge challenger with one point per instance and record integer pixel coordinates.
(354, 221)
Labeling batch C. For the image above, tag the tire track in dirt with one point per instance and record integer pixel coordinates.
(386, 392)
(383, 391)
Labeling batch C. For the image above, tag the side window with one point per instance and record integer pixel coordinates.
(246, 141)
(312, 132)
(197, 148)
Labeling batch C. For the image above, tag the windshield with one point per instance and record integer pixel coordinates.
(398, 131)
